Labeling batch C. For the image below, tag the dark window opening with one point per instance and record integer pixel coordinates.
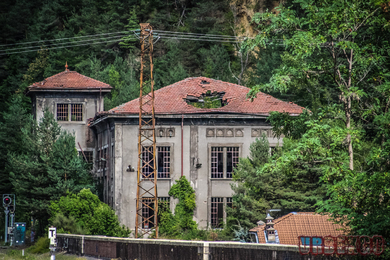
(223, 161)
(88, 156)
(163, 161)
(147, 162)
(62, 112)
(147, 213)
(76, 112)
(216, 212)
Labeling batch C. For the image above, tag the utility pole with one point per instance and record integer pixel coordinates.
(147, 202)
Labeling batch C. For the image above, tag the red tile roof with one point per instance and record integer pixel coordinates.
(293, 225)
(68, 80)
(171, 99)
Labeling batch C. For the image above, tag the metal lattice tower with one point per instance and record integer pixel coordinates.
(147, 207)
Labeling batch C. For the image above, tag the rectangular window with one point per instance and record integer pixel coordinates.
(223, 161)
(88, 156)
(76, 112)
(147, 162)
(62, 112)
(216, 212)
(163, 162)
(69, 112)
(231, 160)
(147, 213)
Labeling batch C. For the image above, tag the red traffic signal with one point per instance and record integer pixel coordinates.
(7, 201)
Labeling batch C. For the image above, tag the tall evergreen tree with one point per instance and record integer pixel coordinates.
(46, 169)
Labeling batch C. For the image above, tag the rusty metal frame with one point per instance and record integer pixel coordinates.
(146, 183)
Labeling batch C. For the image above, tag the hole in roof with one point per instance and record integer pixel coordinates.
(204, 82)
(207, 100)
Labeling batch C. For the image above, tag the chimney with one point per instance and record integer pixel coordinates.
(270, 229)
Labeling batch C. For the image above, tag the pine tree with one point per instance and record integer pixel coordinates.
(46, 169)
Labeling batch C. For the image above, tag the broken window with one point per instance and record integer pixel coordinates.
(207, 100)
(69, 112)
(223, 161)
(147, 213)
(163, 162)
(88, 156)
(216, 212)
(148, 210)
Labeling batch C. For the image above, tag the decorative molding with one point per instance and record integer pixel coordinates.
(220, 132)
(210, 132)
(258, 132)
(239, 132)
(224, 132)
(229, 132)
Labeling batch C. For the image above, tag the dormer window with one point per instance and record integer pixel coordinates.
(69, 112)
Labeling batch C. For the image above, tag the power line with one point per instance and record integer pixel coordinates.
(59, 44)
(60, 47)
(59, 39)
(159, 33)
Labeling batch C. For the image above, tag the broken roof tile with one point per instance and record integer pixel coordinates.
(171, 99)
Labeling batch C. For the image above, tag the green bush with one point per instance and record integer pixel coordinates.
(40, 247)
(88, 212)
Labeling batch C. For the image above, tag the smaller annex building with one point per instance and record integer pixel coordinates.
(203, 127)
(286, 229)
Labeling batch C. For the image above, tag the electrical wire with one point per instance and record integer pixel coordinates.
(76, 37)
(60, 47)
(159, 34)
(63, 43)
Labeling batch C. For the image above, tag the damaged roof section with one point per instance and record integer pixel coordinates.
(203, 95)
(207, 100)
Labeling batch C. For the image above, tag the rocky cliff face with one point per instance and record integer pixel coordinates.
(243, 11)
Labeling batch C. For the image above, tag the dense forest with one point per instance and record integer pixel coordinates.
(331, 57)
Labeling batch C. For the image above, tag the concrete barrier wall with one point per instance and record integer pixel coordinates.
(162, 249)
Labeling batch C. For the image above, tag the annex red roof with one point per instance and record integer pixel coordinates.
(293, 225)
(69, 80)
(172, 99)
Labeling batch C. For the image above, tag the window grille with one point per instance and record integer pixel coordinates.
(147, 213)
(76, 112)
(216, 212)
(147, 162)
(223, 161)
(88, 156)
(232, 154)
(62, 112)
(163, 161)
(216, 162)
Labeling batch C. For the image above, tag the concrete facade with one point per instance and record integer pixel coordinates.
(119, 135)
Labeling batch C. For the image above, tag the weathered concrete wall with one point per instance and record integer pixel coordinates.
(90, 101)
(161, 249)
(199, 135)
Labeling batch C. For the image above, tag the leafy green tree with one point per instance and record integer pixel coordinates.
(337, 52)
(329, 50)
(94, 216)
(47, 167)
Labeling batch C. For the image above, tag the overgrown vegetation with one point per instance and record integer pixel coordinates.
(84, 213)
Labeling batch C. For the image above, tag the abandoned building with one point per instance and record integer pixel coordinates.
(203, 127)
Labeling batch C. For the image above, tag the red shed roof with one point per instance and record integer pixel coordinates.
(69, 80)
(172, 99)
(293, 225)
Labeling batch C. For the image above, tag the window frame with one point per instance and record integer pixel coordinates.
(216, 218)
(225, 174)
(69, 115)
(166, 175)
